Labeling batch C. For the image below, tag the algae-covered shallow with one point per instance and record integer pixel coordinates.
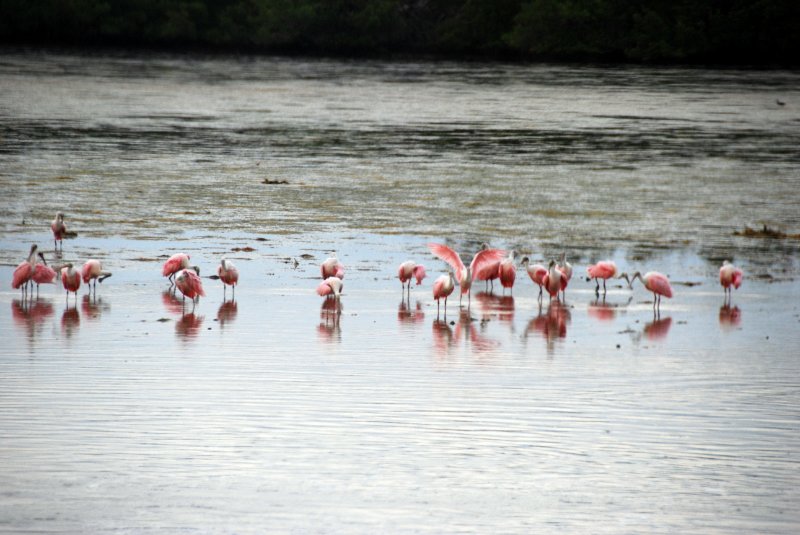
(283, 412)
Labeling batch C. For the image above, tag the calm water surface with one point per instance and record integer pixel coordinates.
(279, 412)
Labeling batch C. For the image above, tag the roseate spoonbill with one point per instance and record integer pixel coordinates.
(605, 269)
(331, 286)
(507, 272)
(24, 271)
(442, 288)
(229, 276)
(655, 282)
(536, 272)
(60, 231)
(489, 272)
(482, 261)
(408, 270)
(552, 280)
(331, 267)
(174, 264)
(93, 271)
(71, 280)
(566, 272)
(189, 283)
(42, 273)
(730, 275)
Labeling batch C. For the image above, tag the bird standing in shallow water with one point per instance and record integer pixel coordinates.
(43, 274)
(229, 276)
(60, 231)
(93, 271)
(442, 288)
(730, 275)
(507, 272)
(174, 264)
(71, 280)
(656, 282)
(552, 280)
(605, 269)
(408, 270)
(566, 274)
(332, 286)
(484, 260)
(189, 283)
(536, 272)
(24, 271)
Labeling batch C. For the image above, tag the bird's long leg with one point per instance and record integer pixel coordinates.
(437, 308)
(604, 287)
(445, 308)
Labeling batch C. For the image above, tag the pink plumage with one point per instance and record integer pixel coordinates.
(605, 269)
(730, 275)
(486, 264)
(43, 274)
(331, 267)
(174, 264)
(330, 286)
(451, 257)
(507, 272)
(443, 287)
(190, 284)
(658, 283)
(552, 281)
(91, 270)
(70, 278)
(228, 273)
(419, 273)
(22, 274)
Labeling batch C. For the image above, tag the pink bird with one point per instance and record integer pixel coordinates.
(43, 274)
(189, 283)
(442, 288)
(490, 271)
(507, 272)
(93, 271)
(331, 286)
(730, 275)
(174, 264)
(71, 280)
(24, 271)
(408, 270)
(657, 283)
(482, 261)
(536, 272)
(229, 276)
(331, 267)
(605, 269)
(552, 280)
(60, 230)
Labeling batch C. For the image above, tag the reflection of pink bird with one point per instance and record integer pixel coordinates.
(71, 279)
(93, 271)
(24, 271)
(229, 276)
(408, 270)
(189, 283)
(730, 275)
(442, 288)
(657, 329)
(729, 316)
(484, 261)
(189, 325)
(331, 267)
(601, 311)
(174, 264)
(605, 269)
(227, 312)
(331, 286)
(507, 271)
(536, 272)
(552, 280)
(657, 283)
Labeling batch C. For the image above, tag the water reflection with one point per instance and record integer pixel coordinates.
(473, 333)
(730, 317)
(172, 303)
(188, 326)
(330, 329)
(602, 311)
(552, 325)
(227, 312)
(93, 307)
(491, 305)
(408, 316)
(30, 315)
(442, 337)
(657, 329)
(70, 321)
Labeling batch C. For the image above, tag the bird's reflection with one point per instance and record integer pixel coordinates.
(70, 321)
(227, 312)
(408, 316)
(551, 325)
(329, 328)
(93, 306)
(172, 303)
(189, 326)
(442, 337)
(657, 329)
(602, 311)
(491, 305)
(30, 315)
(473, 333)
(730, 317)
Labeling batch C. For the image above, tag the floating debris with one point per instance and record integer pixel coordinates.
(765, 232)
(274, 182)
(247, 249)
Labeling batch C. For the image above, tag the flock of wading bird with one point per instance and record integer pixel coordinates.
(487, 265)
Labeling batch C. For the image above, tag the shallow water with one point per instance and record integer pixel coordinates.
(280, 412)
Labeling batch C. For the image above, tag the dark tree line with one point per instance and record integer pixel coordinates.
(757, 32)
